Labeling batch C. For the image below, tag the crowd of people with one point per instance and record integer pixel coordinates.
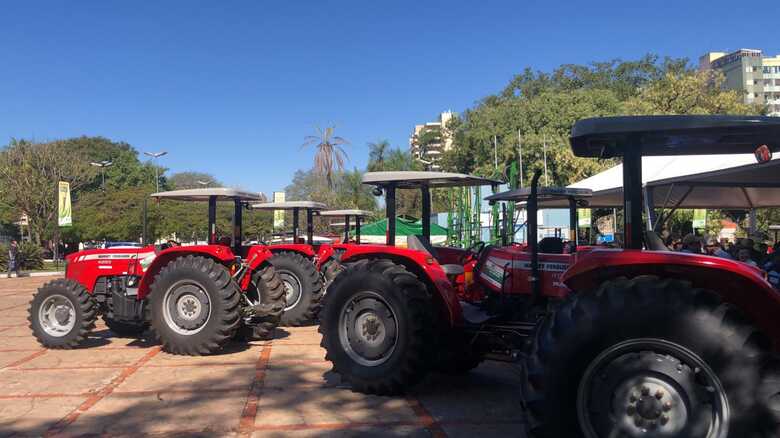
(745, 250)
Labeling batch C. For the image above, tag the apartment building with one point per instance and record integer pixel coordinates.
(750, 71)
(430, 140)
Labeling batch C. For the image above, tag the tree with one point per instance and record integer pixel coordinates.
(29, 173)
(192, 180)
(700, 92)
(376, 154)
(330, 155)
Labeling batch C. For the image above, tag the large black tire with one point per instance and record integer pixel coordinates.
(299, 273)
(123, 328)
(330, 270)
(73, 296)
(588, 356)
(407, 335)
(207, 287)
(270, 293)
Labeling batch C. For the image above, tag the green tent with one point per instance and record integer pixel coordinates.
(375, 232)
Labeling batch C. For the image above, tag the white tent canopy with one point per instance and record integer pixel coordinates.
(693, 181)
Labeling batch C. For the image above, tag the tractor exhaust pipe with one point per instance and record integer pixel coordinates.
(531, 234)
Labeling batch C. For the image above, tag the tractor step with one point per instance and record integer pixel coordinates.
(473, 314)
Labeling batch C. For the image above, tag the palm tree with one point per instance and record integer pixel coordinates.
(330, 155)
(376, 154)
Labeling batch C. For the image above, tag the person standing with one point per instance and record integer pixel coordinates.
(13, 258)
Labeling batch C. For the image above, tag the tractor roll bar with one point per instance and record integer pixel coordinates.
(347, 214)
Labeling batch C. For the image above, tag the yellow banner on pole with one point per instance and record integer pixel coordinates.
(278, 214)
(64, 215)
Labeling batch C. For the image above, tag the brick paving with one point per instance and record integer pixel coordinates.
(116, 386)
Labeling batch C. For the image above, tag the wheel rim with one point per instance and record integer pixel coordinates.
(186, 307)
(651, 388)
(57, 315)
(368, 329)
(292, 289)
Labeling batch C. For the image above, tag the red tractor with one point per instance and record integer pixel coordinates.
(348, 215)
(195, 298)
(628, 342)
(301, 264)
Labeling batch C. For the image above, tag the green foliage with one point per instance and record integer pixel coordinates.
(329, 157)
(376, 154)
(192, 180)
(29, 173)
(30, 257)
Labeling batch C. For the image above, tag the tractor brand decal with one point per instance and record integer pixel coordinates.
(118, 256)
(493, 272)
(525, 265)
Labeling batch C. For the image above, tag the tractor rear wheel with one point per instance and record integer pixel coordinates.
(303, 287)
(62, 313)
(376, 327)
(270, 293)
(194, 306)
(646, 357)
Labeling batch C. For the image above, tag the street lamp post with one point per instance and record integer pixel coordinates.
(153, 156)
(102, 165)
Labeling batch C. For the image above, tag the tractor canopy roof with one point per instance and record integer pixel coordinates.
(347, 212)
(221, 193)
(542, 193)
(290, 205)
(607, 137)
(414, 179)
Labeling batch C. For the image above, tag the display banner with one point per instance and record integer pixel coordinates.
(699, 218)
(278, 214)
(64, 216)
(583, 220)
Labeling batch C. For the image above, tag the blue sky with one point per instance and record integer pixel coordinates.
(232, 87)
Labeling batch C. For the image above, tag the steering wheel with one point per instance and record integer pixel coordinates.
(475, 250)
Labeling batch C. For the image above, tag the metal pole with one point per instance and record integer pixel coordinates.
(390, 207)
(144, 237)
(310, 226)
(495, 152)
(212, 220)
(357, 229)
(546, 181)
(426, 213)
(157, 179)
(520, 156)
(632, 198)
(295, 225)
(346, 228)
(237, 226)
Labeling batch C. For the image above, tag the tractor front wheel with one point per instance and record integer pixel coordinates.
(646, 357)
(61, 314)
(376, 327)
(194, 306)
(268, 290)
(303, 287)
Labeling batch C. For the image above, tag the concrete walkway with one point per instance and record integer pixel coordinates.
(116, 386)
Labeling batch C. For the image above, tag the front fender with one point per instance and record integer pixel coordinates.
(220, 254)
(737, 283)
(421, 264)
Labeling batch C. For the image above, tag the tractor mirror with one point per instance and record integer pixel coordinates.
(377, 191)
(763, 154)
(582, 203)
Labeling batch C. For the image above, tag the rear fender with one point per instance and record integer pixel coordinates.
(324, 253)
(257, 257)
(738, 284)
(220, 254)
(303, 249)
(423, 266)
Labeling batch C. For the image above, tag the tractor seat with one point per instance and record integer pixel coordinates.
(423, 245)
(551, 245)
